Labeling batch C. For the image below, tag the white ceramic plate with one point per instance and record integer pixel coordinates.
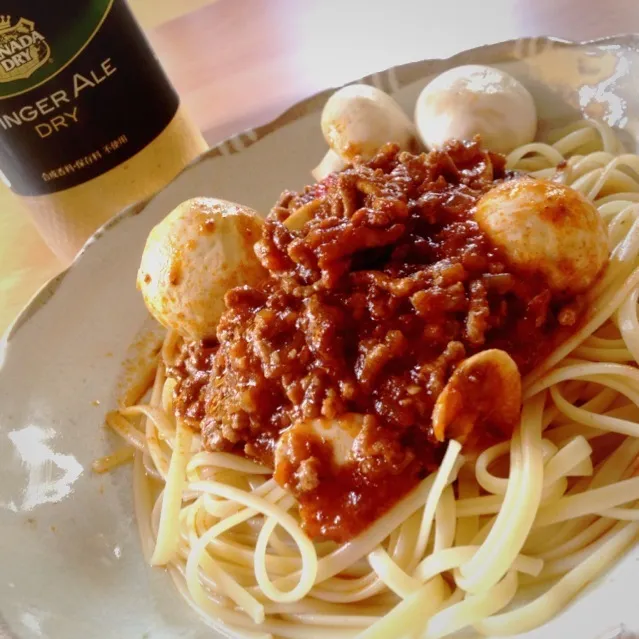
(70, 563)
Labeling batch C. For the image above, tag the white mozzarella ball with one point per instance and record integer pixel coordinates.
(473, 99)
(546, 228)
(359, 119)
(203, 248)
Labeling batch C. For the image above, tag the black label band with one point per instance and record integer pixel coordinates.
(80, 92)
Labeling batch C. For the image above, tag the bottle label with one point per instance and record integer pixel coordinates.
(80, 92)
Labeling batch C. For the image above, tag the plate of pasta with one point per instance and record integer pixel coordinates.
(368, 371)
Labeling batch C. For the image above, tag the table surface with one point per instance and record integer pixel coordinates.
(239, 63)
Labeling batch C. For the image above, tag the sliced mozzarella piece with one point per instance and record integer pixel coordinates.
(483, 392)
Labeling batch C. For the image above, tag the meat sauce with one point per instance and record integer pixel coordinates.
(380, 284)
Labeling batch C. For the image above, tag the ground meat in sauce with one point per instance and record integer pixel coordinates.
(369, 307)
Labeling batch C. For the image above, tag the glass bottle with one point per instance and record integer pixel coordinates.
(89, 122)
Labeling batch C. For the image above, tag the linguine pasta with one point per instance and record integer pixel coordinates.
(548, 511)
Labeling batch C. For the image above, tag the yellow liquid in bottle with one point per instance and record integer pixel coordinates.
(66, 219)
